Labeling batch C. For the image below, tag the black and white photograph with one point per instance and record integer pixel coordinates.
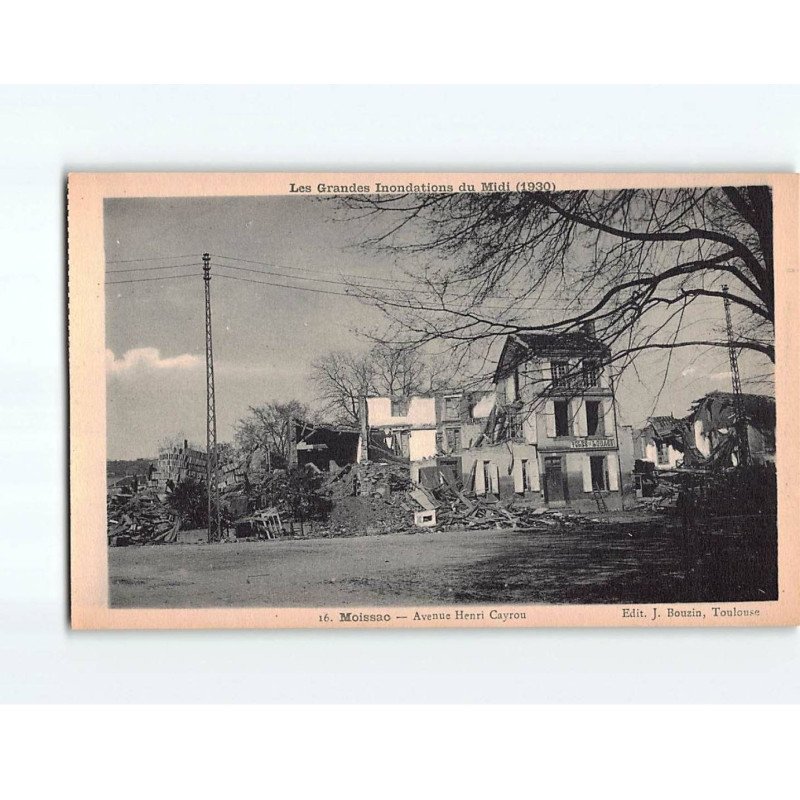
(470, 395)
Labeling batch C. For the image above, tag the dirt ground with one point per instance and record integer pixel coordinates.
(617, 562)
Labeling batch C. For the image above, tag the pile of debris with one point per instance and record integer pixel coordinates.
(377, 498)
(370, 479)
(368, 499)
(142, 518)
(456, 511)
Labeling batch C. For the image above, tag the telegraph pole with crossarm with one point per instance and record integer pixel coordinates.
(212, 462)
(741, 420)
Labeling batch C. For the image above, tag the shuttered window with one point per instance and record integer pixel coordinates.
(561, 412)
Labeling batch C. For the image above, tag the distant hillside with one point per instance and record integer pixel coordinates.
(119, 469)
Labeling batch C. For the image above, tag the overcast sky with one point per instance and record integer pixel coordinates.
(266, 337)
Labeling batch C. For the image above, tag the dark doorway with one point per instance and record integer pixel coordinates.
(451, 467)
(554, 480)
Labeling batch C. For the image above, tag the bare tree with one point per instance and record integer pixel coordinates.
(630, 262)
(268, 427)
(342, 377)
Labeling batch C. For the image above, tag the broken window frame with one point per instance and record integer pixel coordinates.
(598, 468)
(565, 428)
(591, 372)
(527, 483)
(560, 374)
(448, 412)
(514, 425)
(400, 406)
(599, 428)
(453, 438)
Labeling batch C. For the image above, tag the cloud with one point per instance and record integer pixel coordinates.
(148, 359)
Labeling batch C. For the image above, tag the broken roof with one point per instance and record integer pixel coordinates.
(759, 409)
(663, 426)
(520, 347)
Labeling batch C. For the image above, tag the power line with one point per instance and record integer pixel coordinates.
(151, 269)
(153, 258)
(511, 307)
(381, 288)
(378, 284)
(319, 291)
(316, 280)
(144, 280)
(387, 282)
(286, 286)
(312, 271)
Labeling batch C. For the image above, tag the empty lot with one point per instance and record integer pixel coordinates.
(609, 563)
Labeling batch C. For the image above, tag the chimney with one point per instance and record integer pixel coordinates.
(185, 445)
(588, 327)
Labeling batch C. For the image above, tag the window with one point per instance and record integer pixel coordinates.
(487, 476)
(405, 441)
(591, 373)
(400, 442)
(599, 475)
(400, 406)
(514, 425)
(451, 406)
(662, 449)
(527, 483)
(594, 418)
(453, 438)
(561, 410)
(516, 383)
(560, 371)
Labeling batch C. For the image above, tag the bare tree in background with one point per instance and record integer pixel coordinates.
(342, 377)
(631, 262)
(268, 427)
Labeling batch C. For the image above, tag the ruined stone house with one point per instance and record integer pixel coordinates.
(551, 434)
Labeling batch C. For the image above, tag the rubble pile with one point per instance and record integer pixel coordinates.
(142, 518)
(456, 511)
(368, 499)
(372, 498)
(368, 480)
(378, 498)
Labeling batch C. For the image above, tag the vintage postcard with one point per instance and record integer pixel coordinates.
(417, 400)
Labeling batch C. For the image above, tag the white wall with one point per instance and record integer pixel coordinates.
(421, 411)
(422, 444)
(673, 456)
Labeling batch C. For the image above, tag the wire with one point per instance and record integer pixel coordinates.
(151, 269)
(296, 278)
(312, 271)
(286, 286)
(153, 258)
(377, 287)
(511, 307)
(387, 283)
(378, 283)
(160, 278)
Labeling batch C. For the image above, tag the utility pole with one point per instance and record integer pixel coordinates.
(741, 421)
(212, 464)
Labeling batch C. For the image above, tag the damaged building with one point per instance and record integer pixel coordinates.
(420, 427)
(178, 464)
(661, 442)
(552, 437)
(707, 437)
(324, 446)
(713, 423)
